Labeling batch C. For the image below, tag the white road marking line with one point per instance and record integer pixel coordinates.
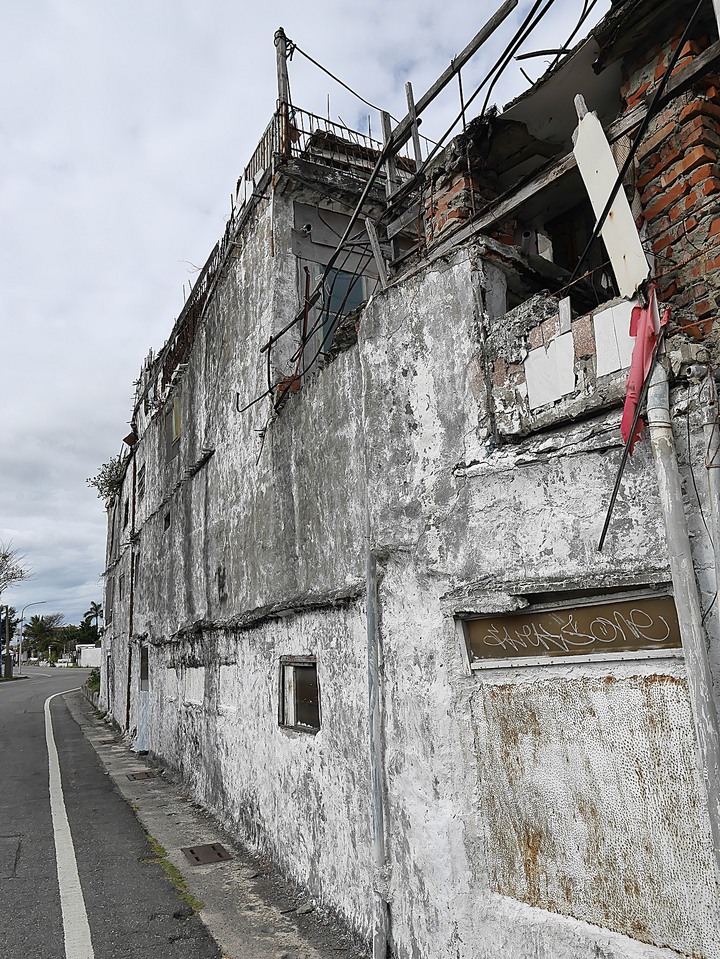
(78, 944)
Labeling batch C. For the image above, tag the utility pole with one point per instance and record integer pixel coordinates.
(22, 626)
(7, 659)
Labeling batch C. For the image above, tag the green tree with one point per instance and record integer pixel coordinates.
(85, 633)
(95, 612)
(42, 633)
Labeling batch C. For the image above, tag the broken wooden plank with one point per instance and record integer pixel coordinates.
(391, 178)
(599, 173)
(375, 244)
(409, 217)
(412, 112)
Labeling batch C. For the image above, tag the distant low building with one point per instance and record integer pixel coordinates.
(88, 655)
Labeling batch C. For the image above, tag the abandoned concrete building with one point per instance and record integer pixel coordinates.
(355, 594)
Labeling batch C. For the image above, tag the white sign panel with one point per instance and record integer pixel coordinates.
(599, 172)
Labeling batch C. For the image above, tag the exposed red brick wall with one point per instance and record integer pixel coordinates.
(454, 198)
(679, 183)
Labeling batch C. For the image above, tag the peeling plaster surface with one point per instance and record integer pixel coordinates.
(567, 833)
(547, 813)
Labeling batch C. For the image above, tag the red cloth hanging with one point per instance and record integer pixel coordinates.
(644, 326)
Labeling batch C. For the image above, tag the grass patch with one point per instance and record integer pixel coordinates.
(173, 874)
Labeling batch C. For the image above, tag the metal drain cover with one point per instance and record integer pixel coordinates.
(142, 775)
(201, 855)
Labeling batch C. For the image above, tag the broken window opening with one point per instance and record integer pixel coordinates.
(551, 232)
(109, 598)
(299, 694)
(144, 668)
(173, 427)
(176, 423)
(569, 234)
(343, 294)
(141, 483)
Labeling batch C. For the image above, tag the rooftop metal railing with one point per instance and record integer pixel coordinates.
(292, 133)
(295, 133)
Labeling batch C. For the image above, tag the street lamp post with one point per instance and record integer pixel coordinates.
(22, 620)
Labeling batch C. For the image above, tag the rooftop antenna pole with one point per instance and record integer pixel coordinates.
(283, 80)
(281, 49)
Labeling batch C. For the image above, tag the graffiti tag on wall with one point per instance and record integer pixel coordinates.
(619, 627)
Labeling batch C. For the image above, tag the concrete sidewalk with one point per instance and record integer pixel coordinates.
(250, 911)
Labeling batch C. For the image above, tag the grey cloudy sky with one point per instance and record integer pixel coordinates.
(123, 128)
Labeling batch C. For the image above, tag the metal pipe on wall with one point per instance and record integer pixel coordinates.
(380, 906)
(687, 597)
(711, 430)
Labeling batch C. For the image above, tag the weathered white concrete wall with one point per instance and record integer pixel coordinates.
(576, 793)
(299, 797)
(544, 812)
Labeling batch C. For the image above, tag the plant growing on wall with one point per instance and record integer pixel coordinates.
(108, 479)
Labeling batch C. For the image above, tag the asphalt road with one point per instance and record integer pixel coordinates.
(133, 911)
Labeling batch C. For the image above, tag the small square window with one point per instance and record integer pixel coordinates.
(141, 483)
(166, 522)
(126, 513)
(299, 694)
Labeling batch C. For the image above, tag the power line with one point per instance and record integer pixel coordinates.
(520, 36)
(294, 47)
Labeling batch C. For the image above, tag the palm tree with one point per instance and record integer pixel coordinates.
(95, 612)
(40, 631)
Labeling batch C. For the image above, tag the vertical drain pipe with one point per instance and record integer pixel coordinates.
(380, 907)
(687, 597)
(711, 430)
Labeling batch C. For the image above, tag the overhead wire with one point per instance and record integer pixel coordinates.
(531, 21)
(709, 465)
(295, 48)
(528, 24)
(584, 14)
(690, 464)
